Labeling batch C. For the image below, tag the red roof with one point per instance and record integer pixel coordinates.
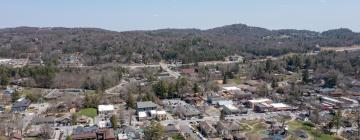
(188, 71)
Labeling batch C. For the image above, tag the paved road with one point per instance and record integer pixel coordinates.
(188, 132)
(164, 66)
(115, 90)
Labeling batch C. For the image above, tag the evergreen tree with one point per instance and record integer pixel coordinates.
(222, 115)
(196, 88)
(161, 89)
(224, 79)
(113, 121)
(155, 131)
(305, 76)
(130, 101)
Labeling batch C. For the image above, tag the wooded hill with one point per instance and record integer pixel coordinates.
(99, 46)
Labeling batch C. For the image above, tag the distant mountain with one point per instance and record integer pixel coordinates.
(189, 45)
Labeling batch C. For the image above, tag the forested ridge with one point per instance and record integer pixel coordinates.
(99, 46)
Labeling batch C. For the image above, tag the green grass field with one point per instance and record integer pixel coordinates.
(89, 112)
(318, 135)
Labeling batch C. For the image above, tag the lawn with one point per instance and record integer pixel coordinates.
(89, 112)
(295, 125)
(178, 137)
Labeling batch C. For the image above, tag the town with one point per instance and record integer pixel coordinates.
(207, 100)
(179, 70)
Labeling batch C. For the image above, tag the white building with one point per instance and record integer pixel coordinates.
(106, 109)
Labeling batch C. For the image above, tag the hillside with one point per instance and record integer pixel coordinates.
(99, 46)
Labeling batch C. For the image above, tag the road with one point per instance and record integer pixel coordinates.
(115, 90)
(188, 132)
(165, 67)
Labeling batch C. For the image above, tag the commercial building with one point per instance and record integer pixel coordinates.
(145, 106)
(105, 109)
(254, 102)
(230, 109)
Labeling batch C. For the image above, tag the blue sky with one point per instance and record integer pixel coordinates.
(123, 15)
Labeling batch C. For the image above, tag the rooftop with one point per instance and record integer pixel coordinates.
(105, 108)
(279, 105)
(142, 114)
(231, 107)
(231, 88)
(260, 100)
(146, 104)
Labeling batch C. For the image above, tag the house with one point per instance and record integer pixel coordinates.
(188, 71)
(37, 120)
(93, 132)
(228, 127)
(145, 106)
(207, 129)
(230, 109)
(21, 105)
(105, 134)
(129, 132)
(105, 109)
(198, 101)
(171, 130)
(52, 120)
(83, 133)
(187, 112)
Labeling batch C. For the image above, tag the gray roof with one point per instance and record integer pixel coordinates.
(23, 102)
(146, 104)
(188, 110)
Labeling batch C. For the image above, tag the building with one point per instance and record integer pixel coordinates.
(214, 100)
(188, 71)
(262, 107)
(161, 115)
(187, 112)
(228, 128)
(90, 133)
(231, 89)
(2, 108)
(21, 105)
(224, 102)
(142, 116)
(230, 109)
(207, 129)
(105, 109)
(171, 130)
(254, 102)
(280, 107)
(145, 106)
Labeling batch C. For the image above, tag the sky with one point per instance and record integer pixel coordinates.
(125, 15)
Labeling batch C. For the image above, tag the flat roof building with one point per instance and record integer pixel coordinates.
(103, 109)
(145, 106)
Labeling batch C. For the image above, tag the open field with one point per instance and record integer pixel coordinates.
(311, 132)
(89, 112)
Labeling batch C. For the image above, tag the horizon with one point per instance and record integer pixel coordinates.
(134, 15)
(176, 28)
